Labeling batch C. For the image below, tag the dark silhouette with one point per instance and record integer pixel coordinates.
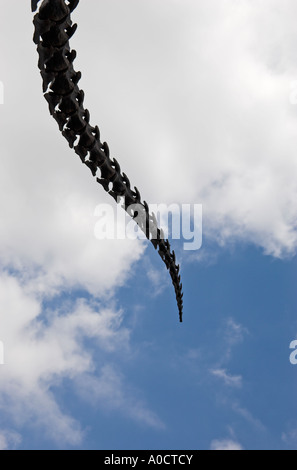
(53, 29)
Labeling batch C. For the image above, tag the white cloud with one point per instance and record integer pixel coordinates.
(158, 278)
(233, 334)
(290, 437)
(200, 114)
(229, 380)
(248, 416)
(222, 109)
(42, 348)
(225, 444)
(48, 249)
(9, 440)
(109, 391)
(212, 94)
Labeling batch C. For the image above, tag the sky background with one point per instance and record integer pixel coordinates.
(196, 101)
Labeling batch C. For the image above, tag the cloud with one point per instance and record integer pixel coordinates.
(290, 437)
(44, 347)
(225, 444)
(109, 391)
(233, 334)
(9, 440)
(49, 253)
(226, 134)
(157, 278)
(229, 380)
(248, 416)
(217, 110)
(196, 116)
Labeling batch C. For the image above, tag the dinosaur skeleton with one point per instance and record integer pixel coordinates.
(53, 30)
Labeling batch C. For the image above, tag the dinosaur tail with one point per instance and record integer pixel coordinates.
(53, 30)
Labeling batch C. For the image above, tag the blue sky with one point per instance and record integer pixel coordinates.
(199, 111)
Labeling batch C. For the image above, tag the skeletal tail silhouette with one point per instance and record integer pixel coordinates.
(53, 29)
